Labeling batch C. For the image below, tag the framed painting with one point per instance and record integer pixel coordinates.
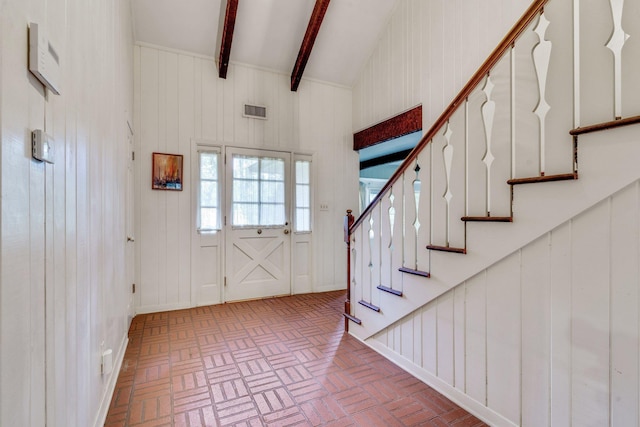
(166, 172)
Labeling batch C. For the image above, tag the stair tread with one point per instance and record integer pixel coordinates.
(487, 218)
(605, 125)
(447, 249)
(415, 272)
(352, 318)
(390, 290)
(544, 178)
(369, 305)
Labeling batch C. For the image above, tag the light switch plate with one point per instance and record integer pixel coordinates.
(42, 146)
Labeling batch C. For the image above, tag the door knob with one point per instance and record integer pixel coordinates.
(286, 231)
(130, 239)
(259, 231)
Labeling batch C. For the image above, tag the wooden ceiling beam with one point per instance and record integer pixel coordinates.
(315, 21)
(226, 36)
(402, 124)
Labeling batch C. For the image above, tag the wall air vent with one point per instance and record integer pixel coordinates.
(255, 112)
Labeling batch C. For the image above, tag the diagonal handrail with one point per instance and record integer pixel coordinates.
(495, 56)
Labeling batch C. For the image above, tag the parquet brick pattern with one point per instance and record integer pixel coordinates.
(273, 362)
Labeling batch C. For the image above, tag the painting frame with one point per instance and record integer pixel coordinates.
(167, 171)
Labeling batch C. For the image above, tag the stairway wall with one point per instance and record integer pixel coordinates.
(428, 51)
(538, 323)
(546, 336)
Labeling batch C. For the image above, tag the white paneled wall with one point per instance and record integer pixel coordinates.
(178, 99)
(64, 295)
(548, 336)
(427, 53)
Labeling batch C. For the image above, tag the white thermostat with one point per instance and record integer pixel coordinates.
(44, 62)
(41, 146)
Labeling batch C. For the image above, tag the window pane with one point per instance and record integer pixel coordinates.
(302, 172)
(272, 169)
(258, 192)
(209, 166)
(209, 196)
(302, 196)
(209, 193)
(303, 222)
(272, 192)
(372, 195)
(245, 167)
(245, 214)
(245, 191)
(209, 218)
(272, 214)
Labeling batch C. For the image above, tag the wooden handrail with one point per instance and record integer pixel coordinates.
(484, 69)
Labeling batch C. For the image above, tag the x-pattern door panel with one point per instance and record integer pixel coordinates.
(259, 264)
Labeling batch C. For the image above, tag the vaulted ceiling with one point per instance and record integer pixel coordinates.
(270, 33)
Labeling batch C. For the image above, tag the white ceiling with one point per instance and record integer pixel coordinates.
(268, 33)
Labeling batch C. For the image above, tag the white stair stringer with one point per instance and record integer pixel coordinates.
(608, 163)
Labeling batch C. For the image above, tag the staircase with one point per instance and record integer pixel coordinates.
(505, 166)
(516, 122)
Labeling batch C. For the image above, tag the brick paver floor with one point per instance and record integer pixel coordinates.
(274, 362)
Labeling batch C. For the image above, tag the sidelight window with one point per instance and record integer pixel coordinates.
(208, 191)
(302, 221)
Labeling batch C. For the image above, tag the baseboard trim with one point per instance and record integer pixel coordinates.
(164, 307)
(101, 417)
(458, 397)
(328, 288)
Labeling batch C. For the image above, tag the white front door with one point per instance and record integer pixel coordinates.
(258, 239)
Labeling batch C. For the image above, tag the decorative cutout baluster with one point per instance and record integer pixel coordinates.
(354, 282)
(431, 191)
(372, 235)
(466, 157)
(392, 219)
(576, 64)
(404, 220)
(512, 60)
(380, 248)
(541, 57)
(416, 223)
(488, 113)
(447, 155)
(615, 44)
